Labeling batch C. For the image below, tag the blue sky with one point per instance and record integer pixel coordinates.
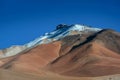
(24, 20)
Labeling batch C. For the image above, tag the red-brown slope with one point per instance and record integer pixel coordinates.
(36, 58)
(92, 59)
(5, 60)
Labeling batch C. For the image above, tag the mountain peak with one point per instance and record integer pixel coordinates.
(62, 30)
(77, 27)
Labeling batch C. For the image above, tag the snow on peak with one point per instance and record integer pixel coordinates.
(83, 28)
(61, 31)
(77, 27)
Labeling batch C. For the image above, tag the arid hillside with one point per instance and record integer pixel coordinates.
(82, 55)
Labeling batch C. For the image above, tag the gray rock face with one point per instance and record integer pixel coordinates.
(61, 26)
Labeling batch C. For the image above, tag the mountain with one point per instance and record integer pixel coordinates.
(61, 31)
(69, 52)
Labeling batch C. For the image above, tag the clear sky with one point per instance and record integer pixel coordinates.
(24, 20)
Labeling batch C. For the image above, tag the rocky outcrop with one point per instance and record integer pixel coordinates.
(61, 26)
